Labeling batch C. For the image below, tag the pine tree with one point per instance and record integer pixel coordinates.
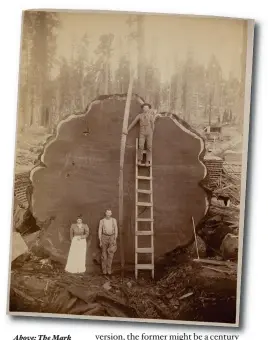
(38, 48)
(122, 75)
(104, 52)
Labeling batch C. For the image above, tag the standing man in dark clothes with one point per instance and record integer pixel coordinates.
(146, 120)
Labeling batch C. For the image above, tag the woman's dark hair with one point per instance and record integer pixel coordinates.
(146, 104)
(79, 217)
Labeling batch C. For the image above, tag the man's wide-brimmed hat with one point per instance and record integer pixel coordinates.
(146, 104)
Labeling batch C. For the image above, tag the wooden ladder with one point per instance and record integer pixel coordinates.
(139, 221)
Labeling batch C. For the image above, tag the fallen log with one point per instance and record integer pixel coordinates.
(23, 295)
(70, 304)
(218, 270)
(113, 311)
(78, 174)
(162, 311)
(97, 311)
(61, 299)
(215, 262)
(81, 292)
(229, 247)
(19, 247)
(116, 302)
(84, 308)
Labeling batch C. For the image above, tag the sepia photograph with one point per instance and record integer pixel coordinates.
(130, 167)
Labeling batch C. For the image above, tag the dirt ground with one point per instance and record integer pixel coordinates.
(186, 291)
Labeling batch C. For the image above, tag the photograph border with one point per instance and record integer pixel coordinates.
(246, 122)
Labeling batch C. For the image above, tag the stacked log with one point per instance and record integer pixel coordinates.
(220, 226)
(21, 184)
(23, 221)
(214, 170)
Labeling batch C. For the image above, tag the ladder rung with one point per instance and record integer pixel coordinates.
(143, 191)
(145, 266)
(144, 250)
(144, 177)
(144, 233)
(145, 219)
(144, 165)
(144, 204)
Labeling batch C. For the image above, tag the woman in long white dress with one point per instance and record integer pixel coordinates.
(76, 262)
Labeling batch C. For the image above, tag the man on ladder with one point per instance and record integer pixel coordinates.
(147, 120)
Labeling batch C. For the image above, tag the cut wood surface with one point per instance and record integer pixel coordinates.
(19, 247)
(80, 174)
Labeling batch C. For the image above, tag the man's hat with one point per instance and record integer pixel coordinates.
(146, 104)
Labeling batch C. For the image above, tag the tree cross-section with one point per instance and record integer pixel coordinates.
(79, 174)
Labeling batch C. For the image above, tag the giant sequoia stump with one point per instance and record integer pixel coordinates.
(80, 170)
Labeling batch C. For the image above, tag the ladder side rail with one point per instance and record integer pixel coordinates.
(152, 216)
(136, 210)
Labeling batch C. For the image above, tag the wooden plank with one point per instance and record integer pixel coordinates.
(23, 295)
(145, 220)
(144, 204)
(143, 191)
(145, 266)
(196, 245)
(121, 173)
(185, 296)
(217, 270)
(144, 177)
(224, 188)
(215, 262)
(143, 165)
(144, 250)
(144, 232)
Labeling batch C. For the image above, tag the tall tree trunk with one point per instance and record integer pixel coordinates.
(141, 55)
(121, 178)
(184, 99)
(41, 55)
(106, 77)
(243, 73)
(210, 110)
